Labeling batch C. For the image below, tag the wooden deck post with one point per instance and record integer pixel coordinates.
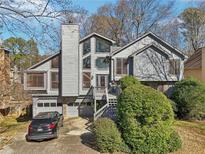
(95, 108)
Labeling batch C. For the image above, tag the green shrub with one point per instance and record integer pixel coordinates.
(189, 96)
(108, 137)
(174, 107)
(174, 141)
(145, 117)
(128, 81)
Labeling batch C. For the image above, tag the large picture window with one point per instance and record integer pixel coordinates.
(174, 66)
(54, 80)
(55, 62)
(121, 66)
(86, 80)
(102, 45)
(35, 80)
(86, 47)
(102, 63)
(87, 62)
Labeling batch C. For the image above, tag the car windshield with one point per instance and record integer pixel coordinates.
(41, 121)
(46, 114)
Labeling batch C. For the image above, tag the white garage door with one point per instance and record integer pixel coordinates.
(73, 109)
(83, 110)
(43, 105)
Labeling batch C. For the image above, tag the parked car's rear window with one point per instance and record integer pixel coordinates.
(41, 121)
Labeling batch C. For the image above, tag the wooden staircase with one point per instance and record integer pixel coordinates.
(109, 109)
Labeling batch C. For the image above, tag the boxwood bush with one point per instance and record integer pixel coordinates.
(128, 81)
(174, 141)
(145, 117)
(189, 96)
(108, 137)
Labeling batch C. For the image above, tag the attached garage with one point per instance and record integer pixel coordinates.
(76, 109)
(45, 104)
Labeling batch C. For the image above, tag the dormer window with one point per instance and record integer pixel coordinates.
(86, 47)
(102, 45)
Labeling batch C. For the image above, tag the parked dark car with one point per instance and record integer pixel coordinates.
(45, 126)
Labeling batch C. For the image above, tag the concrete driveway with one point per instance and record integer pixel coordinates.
(74, 138)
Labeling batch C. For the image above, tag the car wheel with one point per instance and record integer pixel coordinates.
(28, 140)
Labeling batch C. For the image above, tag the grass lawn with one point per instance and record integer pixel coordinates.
(9, 127)
(193, 137)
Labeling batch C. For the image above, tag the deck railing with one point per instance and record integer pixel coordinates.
(99, 92)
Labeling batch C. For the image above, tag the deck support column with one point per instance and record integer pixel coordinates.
(95, 107)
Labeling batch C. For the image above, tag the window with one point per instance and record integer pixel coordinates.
(87, 62)
(35, 80)
(86, 47)
(54, 80)
(174, 66)
(101, 80)
(55, 62)
(86, 79)
(40, 104)
(46, 104)
(102, 62)
(53, 104)
(102, 45)
(121, 67)
(59, 104)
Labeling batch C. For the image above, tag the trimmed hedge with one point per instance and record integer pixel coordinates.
(145, 117)
(189, 96)
(128, 81)
(108, 137)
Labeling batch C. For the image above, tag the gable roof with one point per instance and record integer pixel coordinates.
(194, 61)
(152, 46)
(43, 61)
(155, 37)
(96, 34)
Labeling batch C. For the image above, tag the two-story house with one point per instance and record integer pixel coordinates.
(76, 80)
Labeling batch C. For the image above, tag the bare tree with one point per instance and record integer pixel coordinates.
(38, 19)
(193, 28)
(170, 31)
(127, 19)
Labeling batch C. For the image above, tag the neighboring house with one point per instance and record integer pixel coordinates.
(195, 65)
(75, 80)
(4, 79)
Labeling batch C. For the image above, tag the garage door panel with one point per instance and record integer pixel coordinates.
(43, 105)
(73, 109)
(84, 110)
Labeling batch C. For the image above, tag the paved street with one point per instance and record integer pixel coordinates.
(75, 138)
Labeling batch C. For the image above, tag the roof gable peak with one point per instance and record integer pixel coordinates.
(96, 34)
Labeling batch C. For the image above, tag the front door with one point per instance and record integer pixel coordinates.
(102, 80)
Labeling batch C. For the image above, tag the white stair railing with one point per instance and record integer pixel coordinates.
(109, 103)
(99, 112)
